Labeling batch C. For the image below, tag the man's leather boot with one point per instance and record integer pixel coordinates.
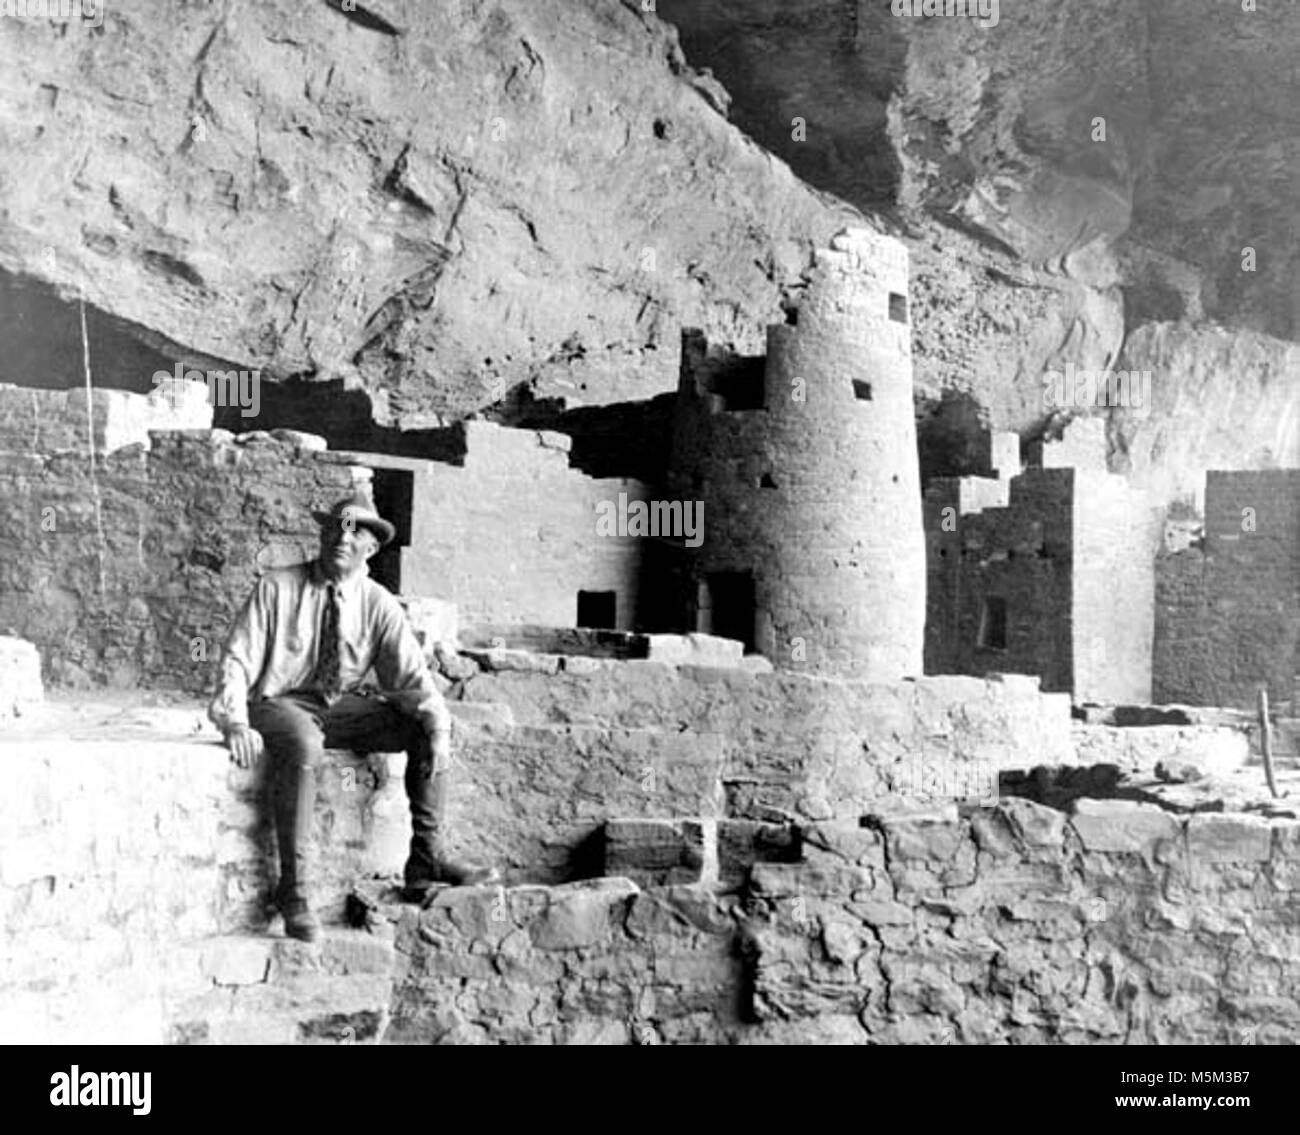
(429, 863)
(295, 802)
(299, 921)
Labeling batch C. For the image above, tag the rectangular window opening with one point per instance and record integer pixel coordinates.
(993, 624)
(862, 391)
(897, 307)
(598, 609)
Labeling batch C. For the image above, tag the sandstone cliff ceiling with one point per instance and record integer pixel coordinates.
(484, 195)
(441, 203)
(992, 130)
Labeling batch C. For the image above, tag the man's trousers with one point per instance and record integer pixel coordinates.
(297, 729)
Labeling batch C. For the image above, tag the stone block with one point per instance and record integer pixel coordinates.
(694, 650)
(1221, 838)
(230, 960)
(655, 853)
(497, 660)
(581, 914)
(1035, 825)
(808, 880)
(882, 912)
(1122, 825)
(851, 843)
(934, 835)
(311, 443)
(451, 664)
(471, 713)
(742, 843)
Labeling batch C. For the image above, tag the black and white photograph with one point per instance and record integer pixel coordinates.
(650, 522)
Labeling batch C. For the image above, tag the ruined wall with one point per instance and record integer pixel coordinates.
(511, 535)
(1054, 576)
(1019, 560)
(33, 420)
(1179, 661)
(807, 466)
(1106, 921)
(741, 745)
(1252, 587)
(129, 580)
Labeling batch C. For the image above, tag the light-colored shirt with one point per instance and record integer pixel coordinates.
(273, 645)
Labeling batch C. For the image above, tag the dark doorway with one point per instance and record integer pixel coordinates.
(726, 606)
(598, 609)
(394, 495)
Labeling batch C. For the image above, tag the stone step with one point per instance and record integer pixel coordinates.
(281, 991)
(312, 1010)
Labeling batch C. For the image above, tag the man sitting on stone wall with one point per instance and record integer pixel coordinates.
(290, 673)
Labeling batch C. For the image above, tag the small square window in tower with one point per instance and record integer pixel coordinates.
(861, 390)
(993, 624)
(598, 609)
(897, 307)
(726, 606)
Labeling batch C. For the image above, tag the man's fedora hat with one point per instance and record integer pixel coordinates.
(358, 512)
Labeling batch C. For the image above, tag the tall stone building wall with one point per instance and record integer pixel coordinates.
(1230, 608)
(1113, 589)
(130, 579)
(511, 536)
(806, 465)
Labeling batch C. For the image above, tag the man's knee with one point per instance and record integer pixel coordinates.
(290, 731)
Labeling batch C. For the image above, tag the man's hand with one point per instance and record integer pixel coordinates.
(245, 745)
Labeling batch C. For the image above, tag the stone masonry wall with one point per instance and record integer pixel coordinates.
(33, 420)
(1229, 608)
(1114, 923)
(1179, 660)
(133, 867)
(1022, 554)
(735, 744)
(130, 580)
(1252, 585)
(510, 536)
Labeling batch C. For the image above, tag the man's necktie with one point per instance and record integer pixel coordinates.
(328, 674)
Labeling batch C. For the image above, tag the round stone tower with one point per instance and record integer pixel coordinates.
(806, 464)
